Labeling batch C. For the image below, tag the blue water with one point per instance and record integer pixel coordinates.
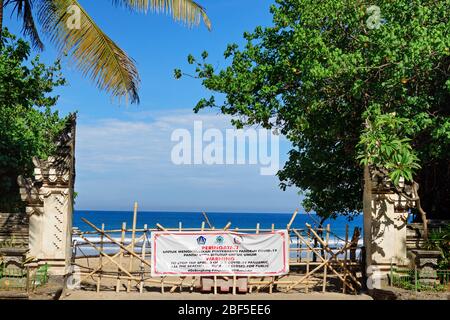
(114, 219)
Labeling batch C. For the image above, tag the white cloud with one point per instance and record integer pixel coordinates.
(130, 159)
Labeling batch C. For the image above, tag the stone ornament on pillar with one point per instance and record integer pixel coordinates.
(49, 203)
(386, 209)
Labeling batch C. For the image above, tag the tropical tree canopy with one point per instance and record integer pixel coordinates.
(74, 32)
(349, 84)
(28, 126)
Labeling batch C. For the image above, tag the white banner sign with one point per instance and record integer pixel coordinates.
(219, 253)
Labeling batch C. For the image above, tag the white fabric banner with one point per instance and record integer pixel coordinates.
(219, 253)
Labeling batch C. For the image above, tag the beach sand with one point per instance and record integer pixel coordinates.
(109, 295)
(152, 290)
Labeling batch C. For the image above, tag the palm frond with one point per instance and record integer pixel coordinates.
(24, 10)
(94, 53)
(188, 11)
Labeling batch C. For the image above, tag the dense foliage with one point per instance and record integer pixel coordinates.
(349, 84)
(440, 240)
(28, 125)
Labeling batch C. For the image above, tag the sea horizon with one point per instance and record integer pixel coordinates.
(113, 219)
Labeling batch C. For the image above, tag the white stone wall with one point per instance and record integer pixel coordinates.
(385, 220)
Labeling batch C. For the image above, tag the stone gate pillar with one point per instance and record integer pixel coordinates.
(49, 204)
(385, 220)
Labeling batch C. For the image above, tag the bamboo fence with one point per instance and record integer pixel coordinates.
(316, 262)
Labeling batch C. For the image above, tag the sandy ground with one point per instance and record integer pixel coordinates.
(152, 291)
(109, 295)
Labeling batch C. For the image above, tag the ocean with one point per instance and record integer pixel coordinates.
(168, 219)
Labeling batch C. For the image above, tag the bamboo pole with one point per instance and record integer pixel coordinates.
(272, 279)
(307, 262)
(288, 227)
(133, 235)
(258, 225)
(207, 220)
(110, 276)
(228, 225)
(99, 279)
(248, 278)
(200, 278)
(177, 285)
(325, 268)
(345, 260)
(144, 243)
(161, 227)
(181, 283)
(122, 240)
(180, 227)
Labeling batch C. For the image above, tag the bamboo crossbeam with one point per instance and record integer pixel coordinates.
(107, 262)
(107, 256)
(160, 227)
(207, 220)
(116, 242)
(168, 229)
(288, 227)
(324, 261)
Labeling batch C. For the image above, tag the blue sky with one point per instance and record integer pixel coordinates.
(123, 152)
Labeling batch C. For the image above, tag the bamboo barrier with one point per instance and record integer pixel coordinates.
(131, 267)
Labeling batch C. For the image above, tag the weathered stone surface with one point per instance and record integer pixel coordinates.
(385, 220)
(13, 258)
(13, 229)
(426, 261)
(49, 203)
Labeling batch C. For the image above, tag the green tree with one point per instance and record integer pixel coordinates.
(350, 84)
(74, 32)
(28, 126)
(440, 240)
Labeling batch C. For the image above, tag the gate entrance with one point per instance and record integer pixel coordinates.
(121, 260)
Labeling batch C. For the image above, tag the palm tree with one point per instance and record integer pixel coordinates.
(94, 53)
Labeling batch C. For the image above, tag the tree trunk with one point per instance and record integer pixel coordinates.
(423, 214)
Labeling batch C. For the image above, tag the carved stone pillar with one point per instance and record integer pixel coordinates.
(49, 199)
(385, 220)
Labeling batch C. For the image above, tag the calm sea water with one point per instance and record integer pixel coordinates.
(114, 219)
